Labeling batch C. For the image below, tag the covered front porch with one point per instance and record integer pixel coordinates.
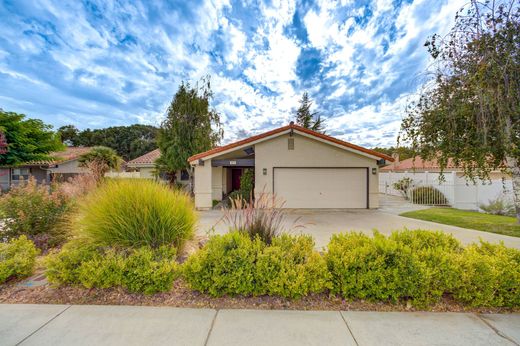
(218, 176)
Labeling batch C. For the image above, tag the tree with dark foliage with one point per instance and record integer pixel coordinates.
(190, 127)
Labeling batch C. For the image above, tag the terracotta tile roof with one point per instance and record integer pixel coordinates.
(70, 153)
(148, 158)
(282, 129)
(417, 164)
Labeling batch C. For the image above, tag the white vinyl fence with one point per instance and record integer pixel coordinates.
(456, 191)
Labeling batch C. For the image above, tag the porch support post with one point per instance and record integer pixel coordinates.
(203, 186)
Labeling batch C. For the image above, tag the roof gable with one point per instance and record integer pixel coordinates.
(146, 159)
(285, 129)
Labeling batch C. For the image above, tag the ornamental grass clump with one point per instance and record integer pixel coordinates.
(262, 217)
(134, 213)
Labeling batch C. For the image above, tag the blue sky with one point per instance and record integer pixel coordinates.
(106, 63)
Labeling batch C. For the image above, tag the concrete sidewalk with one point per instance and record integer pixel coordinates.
(135, 325)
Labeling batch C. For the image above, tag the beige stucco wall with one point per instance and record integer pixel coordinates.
(69, 167)
(308, 153)
(147, 172)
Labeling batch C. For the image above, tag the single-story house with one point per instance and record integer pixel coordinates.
(145, 165)
(305, 168)
(62, 165)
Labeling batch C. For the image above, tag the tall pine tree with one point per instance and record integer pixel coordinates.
(306, 118)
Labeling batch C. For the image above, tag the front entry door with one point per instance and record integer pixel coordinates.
(236, 173)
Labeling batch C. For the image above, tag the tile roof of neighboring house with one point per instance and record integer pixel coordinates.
(70, 153)
(282, 129)
(146, 159)
(417, 163)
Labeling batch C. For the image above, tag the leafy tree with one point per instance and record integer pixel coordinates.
(68, 134)
(27, 139)
(470, 111)
(190, 127)
(404, 152)
(306, 118)
(128, 141)
(100, 160)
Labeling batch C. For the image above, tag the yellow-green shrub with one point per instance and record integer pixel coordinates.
(290, 267)
(490, 276)
(149, 271)
(144, 270)
(373, 268)
(134, 213)
(64, 266)
(437, 254)
(226, 265)
(17, 258)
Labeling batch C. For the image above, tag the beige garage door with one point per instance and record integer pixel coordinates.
(321, 187)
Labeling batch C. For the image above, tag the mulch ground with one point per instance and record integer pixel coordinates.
(182, 296)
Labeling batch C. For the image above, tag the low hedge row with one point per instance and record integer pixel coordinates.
(417, 266)
(17, 258)
(143, 270)
(420, 266)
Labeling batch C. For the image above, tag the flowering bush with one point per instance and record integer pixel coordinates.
(37, 211)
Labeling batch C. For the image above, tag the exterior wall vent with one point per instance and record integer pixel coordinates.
(290, 143)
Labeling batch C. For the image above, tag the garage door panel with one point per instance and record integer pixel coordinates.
(321, 187)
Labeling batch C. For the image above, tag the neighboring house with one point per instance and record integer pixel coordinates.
(305, 168)
(460, 192)
(62, 165)
(145, 165)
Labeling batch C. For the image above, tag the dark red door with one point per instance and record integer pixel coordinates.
(236, 173)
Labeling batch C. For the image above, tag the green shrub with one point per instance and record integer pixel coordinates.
(35, 211)
(226, 265)
(64, 267)
(437, 253)
(143, 270)
(403, 185)
(149, 271)
(103, 270)
(247, 182)
(490, 276)
(428, 195)
(290, 267)
(135, 213)
(17, 258)
(373, 268)
(236, 264)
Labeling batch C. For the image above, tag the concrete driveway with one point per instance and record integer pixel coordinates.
(323, 223)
